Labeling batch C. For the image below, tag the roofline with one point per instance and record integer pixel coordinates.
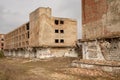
(17, 28)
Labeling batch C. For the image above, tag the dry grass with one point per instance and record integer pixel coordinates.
(50, 69)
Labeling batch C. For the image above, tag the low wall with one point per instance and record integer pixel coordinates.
(108, 66)
(42, 53)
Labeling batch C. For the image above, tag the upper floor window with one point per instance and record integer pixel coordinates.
(56, 22)
(56, 31)
(2, 44)
(61, 22)
(56, 41)
(62, 41)
(27, 26)
(61, 31)
(2, 39)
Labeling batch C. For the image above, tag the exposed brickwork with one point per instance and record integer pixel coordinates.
(93, 10)
(101, 19)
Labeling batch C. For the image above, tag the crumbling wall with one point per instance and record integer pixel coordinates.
(42, 53)
(101, 19)
(106, 49)
(91, 50)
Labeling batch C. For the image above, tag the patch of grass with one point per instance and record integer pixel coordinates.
(2, 54)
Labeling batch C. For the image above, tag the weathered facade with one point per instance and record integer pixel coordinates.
(18, 38)
(1, 41)
(101, 35)
(101, 19)
(104, 49)
(43, 36)
(51, 31)
(101, 31)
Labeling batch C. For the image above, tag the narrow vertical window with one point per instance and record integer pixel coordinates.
(61, 22)
(27, 26)
(61, 31)
(56, 22)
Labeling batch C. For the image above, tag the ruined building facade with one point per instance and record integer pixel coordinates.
(101, 35)
(101, 29)
(18, 38)
(1, 42)
(43, 36)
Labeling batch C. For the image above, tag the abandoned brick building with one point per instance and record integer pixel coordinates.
(101, 29)
(1, 41)
(101, 34)
(42, 36)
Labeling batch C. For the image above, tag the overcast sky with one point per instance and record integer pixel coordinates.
(14, 13)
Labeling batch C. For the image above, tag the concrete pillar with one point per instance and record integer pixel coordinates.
(6, 53)
(23, 53)
(71, 53)
(27, 54)
(14, 53)
(9, 53)
(32, 54)
(19, 53)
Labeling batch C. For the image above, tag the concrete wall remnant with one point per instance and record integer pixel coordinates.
(107, 49)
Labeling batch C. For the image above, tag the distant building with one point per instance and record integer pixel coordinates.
(1, 41)
(42, 35)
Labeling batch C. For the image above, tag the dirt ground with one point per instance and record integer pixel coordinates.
(49, 69)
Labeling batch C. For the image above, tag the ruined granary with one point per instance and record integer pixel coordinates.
(1, 42)
(43, 36)
(101, 34)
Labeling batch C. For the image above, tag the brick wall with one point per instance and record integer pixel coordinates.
(101, 18)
